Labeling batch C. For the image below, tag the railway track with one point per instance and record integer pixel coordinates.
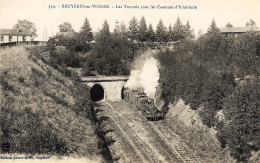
(180, 149)
(177, 145)
(138, 151)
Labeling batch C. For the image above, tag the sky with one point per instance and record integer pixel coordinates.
(238, 12)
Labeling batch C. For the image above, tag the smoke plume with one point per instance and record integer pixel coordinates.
(145, 74)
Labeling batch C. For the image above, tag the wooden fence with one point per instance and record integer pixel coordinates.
(22, 43)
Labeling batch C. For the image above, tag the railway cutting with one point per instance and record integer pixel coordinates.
(142, 140)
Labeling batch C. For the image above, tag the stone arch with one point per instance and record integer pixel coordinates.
(97, 92)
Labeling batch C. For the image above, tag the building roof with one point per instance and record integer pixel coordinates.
(239, 29)
(22, 32)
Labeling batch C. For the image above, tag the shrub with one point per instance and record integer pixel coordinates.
(216, 89)
(242, 113)
(110, 56)
(83, 103)
(67, 51)
(27, 134)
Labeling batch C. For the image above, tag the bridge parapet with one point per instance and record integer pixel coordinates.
(104, 78)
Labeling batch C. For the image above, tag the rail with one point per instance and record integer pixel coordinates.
(179, 147)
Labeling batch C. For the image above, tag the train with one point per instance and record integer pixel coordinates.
(143, 103)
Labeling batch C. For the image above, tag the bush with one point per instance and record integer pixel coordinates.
(242, 112)
(110, 56)
(181, 78)
(246, 58)
(62, 57)
(73, 41)
(83, 103)
(27, 134)
(216, 89)
(67, 51)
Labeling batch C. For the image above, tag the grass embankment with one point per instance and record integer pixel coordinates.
(41, 110)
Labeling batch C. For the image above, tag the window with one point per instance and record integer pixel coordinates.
(10, 38)
(2, 38)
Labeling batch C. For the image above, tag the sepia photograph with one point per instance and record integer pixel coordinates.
(128, 81)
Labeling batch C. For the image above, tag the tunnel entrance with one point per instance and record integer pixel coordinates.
(97, 93)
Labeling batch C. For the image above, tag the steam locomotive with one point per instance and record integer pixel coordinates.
(143, 103)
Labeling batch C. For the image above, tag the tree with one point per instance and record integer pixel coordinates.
(251, 23)
(26, 24)
(105, 32)
(179, 31)
(123, 29)
(133, 29)
(242, 113)
(151, 34)
(161, 33)
(188, 25)
(188, 32)
(111, 54)
(142, 30)
(229, 25)
(170, 33)
(247, 53)
(215, 90)
(86, 31)
(66, 27)
(213, 41)
(213, 29)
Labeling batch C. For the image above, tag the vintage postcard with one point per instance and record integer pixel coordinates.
(130, 81)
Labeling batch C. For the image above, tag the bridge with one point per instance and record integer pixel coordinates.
(105, 87)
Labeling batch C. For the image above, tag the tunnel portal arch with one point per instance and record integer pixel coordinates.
(97, 93)
(105, 88)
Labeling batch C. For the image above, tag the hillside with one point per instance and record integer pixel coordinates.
(42, 111)
(218, 78)
(200, 138)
